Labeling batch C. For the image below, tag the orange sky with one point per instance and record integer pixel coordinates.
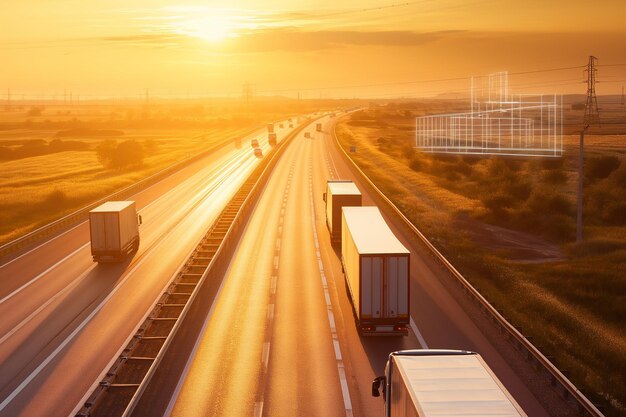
(319, 48)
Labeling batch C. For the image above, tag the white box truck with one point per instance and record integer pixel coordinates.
(428, 383)
(114, 230)
(339, 193)
(376, 268)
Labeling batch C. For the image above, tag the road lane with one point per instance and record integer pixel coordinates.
(442, 314)
(101, 305)
(267, 349)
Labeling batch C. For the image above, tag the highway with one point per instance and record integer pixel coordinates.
(280, 339)
(65, 318)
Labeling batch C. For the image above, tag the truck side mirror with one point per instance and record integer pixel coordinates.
(140, 219)
(376, 386)
(324, 196)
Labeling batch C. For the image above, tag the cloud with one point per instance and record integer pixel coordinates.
(293, 40)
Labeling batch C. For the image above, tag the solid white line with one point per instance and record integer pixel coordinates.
(39, 246)
(68, 339)
(418, 334)
(216, 172)
(32, 281)
(72, 285)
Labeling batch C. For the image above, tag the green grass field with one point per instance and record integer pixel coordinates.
(572, 306)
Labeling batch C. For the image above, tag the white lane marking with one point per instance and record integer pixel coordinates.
(258, 409)
(331, 318)
(418, 334)
(72, 285)
(273, 285)
(45, 243)
(276, 262)
(270, 312)
(278, 244)
(266, 354)
(33, 280)
(71, 336)
(215, 176)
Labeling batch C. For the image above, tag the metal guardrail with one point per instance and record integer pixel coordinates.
(120, 391)
(80, 215)
(557, 378)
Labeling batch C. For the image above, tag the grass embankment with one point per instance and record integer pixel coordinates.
(35, 190)
(573, 308)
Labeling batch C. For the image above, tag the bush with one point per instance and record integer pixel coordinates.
(415, 164)
(128, 153)
(601, 167)
(106, 152)
(552, 163)
(554, 177)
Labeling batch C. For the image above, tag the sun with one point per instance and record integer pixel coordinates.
(213, 25)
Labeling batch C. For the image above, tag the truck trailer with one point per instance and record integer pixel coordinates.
(428, 383)
(339, 193)
(271, 139)
(376, 269)
(114, 230)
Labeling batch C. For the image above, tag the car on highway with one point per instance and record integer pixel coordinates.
(307, 134)
(258, 152)
(254, 143)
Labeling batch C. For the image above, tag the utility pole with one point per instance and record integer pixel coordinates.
(247, 92)
(592, 116)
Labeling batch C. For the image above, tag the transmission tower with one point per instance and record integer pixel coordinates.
(592, 115)
(247, 92)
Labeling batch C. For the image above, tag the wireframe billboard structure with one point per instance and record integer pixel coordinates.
(498, 123)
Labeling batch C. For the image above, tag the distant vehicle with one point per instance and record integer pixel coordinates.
(114, 230)
(254, 143)
(271, 139)
(332, 115)
(376, 268)
(428, 383)
(307, 134)
(290, 125)
(270, 127)
(258, 152)
(281, 125)
(318, 127)
(339, 193)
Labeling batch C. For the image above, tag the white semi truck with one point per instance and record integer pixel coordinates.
(376, 268)
(339, 193)
(114, 230)
(428, 383)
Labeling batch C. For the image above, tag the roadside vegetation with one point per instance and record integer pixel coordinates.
(509, 226)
